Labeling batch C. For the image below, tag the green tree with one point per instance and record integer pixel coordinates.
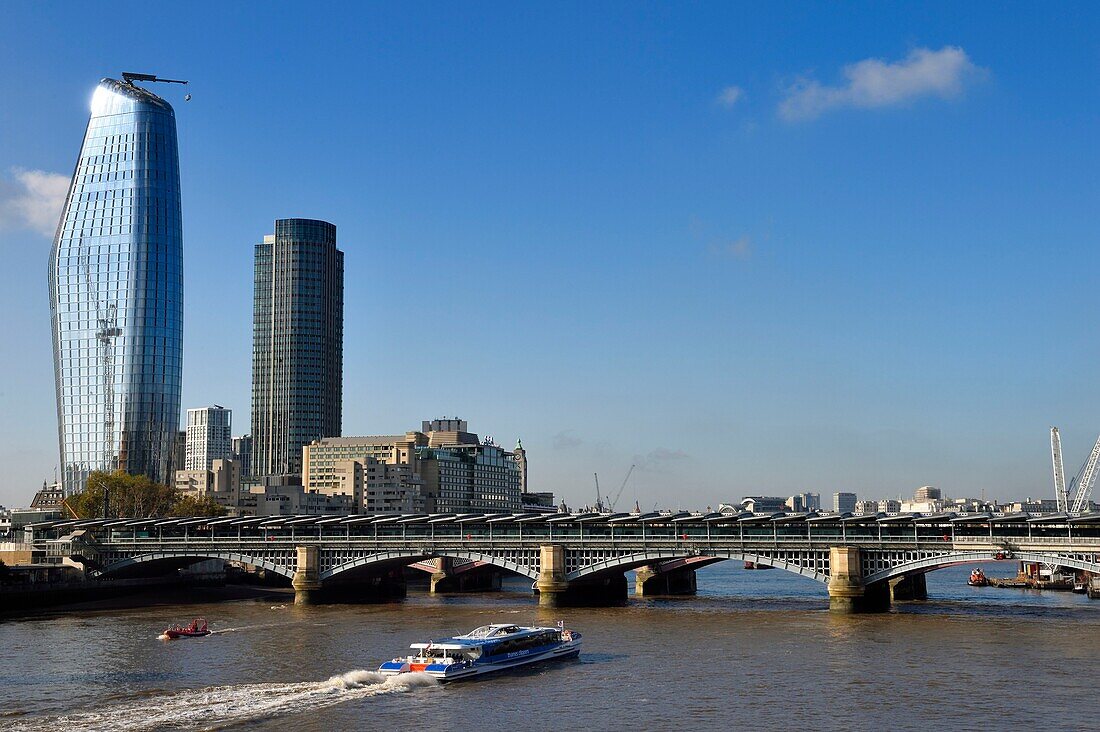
(128, 496)
(192, 506)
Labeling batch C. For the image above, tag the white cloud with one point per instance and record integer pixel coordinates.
(32, 199)
(740, 248)
(873, 83)
(566, 440)
(658, 457)
(730, 96)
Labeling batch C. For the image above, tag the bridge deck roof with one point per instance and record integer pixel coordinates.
(583, 518)
(1086, 518)
(686, 517)
(472, 518)
(1050, 518)
(539, 518)
(976, 518)
(727, 518)
(247, 520)
(303, 520)
(508, 518)
(1011, 518)
(794, 518)
(935, 518)
(415, 518)
(867, 518)
(441, 518)
(332, 520)
(901, 518)
(754, 518)
(623, 518)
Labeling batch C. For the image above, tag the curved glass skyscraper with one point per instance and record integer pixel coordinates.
(116, 292)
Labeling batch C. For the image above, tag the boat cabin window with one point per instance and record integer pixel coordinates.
(536, 640)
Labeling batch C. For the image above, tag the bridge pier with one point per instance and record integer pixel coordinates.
(909, 587)
(307, 576)
(551, 584)
(556, 591)
(847, 592)
(480, 579)
(651, 580)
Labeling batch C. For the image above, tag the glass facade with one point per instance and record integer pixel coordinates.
(116, 292)
(297, 343)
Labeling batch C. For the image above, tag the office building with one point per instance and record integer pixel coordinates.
(297, 343)
(209, 436)
(844, 502)
(116, 292)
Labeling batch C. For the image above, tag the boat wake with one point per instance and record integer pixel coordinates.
(216, 706)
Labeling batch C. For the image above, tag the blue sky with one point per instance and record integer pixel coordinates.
(796, 247)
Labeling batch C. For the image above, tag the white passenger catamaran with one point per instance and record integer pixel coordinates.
(485, 650)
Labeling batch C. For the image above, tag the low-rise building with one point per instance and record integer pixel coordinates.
(222, 483)
(444, 468)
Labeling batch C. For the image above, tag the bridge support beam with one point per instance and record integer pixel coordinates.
(910, 587)
(307, 577)
(651, 580)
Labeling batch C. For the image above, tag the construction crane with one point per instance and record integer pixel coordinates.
(107, 331)
(130, 77)
(1083, 482)
(599, 504)
(1061, 495)
(615, 500)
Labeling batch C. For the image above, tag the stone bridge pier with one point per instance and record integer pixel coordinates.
(307, 577)
(848, 593)
(556, 590)
(668, 578)
(466, 579)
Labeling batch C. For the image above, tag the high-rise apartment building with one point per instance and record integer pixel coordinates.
(297, 343)
(242, 454)
(116, 292)
(209, 436)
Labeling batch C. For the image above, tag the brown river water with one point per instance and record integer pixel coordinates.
(752, 650)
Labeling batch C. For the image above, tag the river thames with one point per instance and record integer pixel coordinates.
(753, 649)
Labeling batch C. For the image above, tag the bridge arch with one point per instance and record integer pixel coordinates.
(634, 561)
(272, 566)
(399, 558)
(930, 564)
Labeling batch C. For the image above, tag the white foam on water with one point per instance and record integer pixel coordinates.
(220, 705)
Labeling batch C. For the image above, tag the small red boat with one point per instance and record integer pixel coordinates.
(196, 629)
(977, 578)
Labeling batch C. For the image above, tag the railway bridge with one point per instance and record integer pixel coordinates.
(864, 561)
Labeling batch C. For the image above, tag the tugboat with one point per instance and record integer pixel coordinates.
(196, 629)
(484, 650)
(977, 578)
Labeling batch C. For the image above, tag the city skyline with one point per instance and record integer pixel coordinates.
(824, 267)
